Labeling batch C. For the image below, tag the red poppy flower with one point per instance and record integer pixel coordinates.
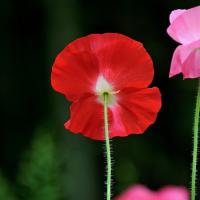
(112, 63)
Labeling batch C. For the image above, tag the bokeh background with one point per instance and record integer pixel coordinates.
(39, 159)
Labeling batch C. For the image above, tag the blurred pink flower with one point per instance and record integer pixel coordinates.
(140, 192)
(185, 29)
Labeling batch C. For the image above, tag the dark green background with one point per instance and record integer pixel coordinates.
(32, 34)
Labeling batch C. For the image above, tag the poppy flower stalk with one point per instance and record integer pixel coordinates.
(184, 28)
(195, 147)
(108, 152)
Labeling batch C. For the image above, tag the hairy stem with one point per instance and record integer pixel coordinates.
(195, 147)
(108, 153)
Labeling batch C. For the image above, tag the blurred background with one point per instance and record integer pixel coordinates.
(39, 159)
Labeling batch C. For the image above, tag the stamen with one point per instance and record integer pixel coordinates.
(104, 87)
(115, 92)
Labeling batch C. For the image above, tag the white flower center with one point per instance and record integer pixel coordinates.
(102, 87)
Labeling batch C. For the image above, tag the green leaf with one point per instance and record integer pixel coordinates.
(6, 192)
(40, 171)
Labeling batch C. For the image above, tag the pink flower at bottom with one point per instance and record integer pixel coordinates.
(185, 29)
(140, 192)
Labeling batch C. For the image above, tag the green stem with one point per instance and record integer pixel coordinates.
(195, 147)
(108, 153)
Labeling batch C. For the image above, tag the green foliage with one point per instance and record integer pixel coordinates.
(39, 171)
(6, 192)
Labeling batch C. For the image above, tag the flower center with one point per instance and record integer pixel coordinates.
(104, 87)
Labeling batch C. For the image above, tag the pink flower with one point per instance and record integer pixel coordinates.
(140, 192)
(185, 29)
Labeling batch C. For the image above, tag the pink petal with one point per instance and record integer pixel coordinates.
(179, 58)
(137, 192)
(191, 67)
(186, 28)
(176, 62)
(174, 14)
(173, 193)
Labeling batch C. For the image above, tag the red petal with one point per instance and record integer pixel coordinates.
(87, 118)
(135, 112)
(74, 74)
(123, 61)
